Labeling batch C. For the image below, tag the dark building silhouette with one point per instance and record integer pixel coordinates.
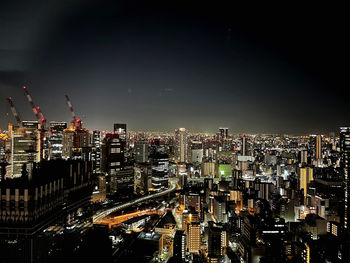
(53, 194)
(179, 246)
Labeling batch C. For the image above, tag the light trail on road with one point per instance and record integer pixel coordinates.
(98, 217)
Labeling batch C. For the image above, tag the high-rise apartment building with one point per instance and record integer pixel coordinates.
(318, 154)
(315, 146)
(181, 145)
(303, 156)
(194, 237)
(306, 176)
(244, 145)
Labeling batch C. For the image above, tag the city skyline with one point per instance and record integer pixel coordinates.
(174, 132)
(187, 66)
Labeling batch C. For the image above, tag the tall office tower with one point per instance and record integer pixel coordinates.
(96, 151)
(120, 128)
(179, 246)
(141, 151)
(120, 177)
(181, 145)
(56, 139)
(122, 182)
(25, 149)
(76, 141)
(303, 156)
(345, 165)
(223, 133)
(306, 176)
(194, 237)
(160, 175)
(217, 239)
(244, 145)
(41, 142)
(196, 152)
(112, 154)
(318, 155)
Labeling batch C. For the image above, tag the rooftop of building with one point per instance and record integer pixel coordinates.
(152, 236)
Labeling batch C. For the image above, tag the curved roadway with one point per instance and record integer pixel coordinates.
(100, 215)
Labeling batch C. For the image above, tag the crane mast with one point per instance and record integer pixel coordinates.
(14, 111)
(71, 108)
(36, 110)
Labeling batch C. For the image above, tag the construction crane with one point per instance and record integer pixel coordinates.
(14, 112)
(71, 108)
(43, 119)
(37, 111)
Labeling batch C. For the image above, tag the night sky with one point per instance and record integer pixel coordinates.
(158, 65)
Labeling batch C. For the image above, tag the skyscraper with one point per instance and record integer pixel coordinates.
(315, 145)
(318, 154)
(194, 237)
(75, 140)
(196, 152)
(244, 145)
(56, 139)
(223, 133)
(120, 177)
(306, 175)
(96, 151)
(303, 156)
(181, 145)
(120, 128)
(141, 152)
(345, 165)
(25, 149)
(112, 154)
(160, 175)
